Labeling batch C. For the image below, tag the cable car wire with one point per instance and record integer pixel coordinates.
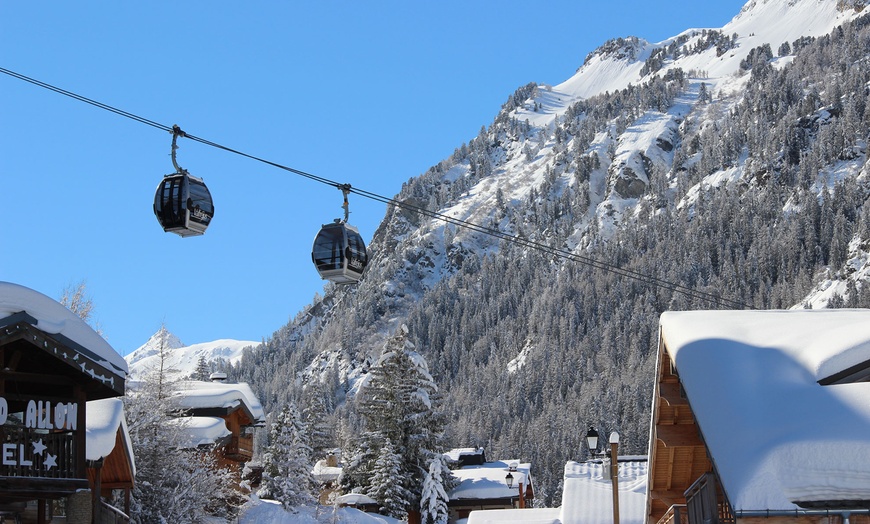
(525, 242)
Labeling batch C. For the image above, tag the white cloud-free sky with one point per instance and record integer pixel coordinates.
(365, 93)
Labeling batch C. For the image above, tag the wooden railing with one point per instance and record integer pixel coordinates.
(30, 454)
(706, 503)
(240, 448)
(111, 515)
(676, 514)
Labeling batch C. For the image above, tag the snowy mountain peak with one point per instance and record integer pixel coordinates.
(162, 338)
(181, 361)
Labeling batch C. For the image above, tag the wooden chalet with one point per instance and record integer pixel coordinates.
(484, 485)
(221, 417)
(761, 417)
(51, 365)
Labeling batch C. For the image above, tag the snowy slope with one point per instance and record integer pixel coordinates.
(182, 360)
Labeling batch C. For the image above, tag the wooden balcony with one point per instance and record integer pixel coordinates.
(240, 448)
(676, 514)
(706, 503)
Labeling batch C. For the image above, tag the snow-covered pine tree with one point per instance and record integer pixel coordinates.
(202, 371)
(287, 461)
(392, 495)
(172, 484)
(433, 502)
(399, 407)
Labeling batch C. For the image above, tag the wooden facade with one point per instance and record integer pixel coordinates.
(46, 380)
(678, 456)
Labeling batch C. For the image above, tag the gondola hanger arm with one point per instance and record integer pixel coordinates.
(176, 132)
(345, 189)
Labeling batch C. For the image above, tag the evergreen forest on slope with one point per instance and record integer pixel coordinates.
(529, 348)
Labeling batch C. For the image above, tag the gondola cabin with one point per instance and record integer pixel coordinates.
(339, 253)
(183, 204)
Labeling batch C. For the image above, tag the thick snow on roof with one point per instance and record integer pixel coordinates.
(103, 418)
(195, 394)
(201, 431)
(454, 454)
(775, 435)
(587, 497)
(54, 318)
(322, 472)
(354, 499)
(488, 481)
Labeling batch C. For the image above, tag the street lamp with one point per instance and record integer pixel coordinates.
(509, 480)
(592, 440)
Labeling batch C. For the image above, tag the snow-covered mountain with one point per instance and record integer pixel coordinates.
(720, 168)
(182, 361)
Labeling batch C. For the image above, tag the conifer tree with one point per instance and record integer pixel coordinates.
(287, 461)
(401, 418)
(173, 484)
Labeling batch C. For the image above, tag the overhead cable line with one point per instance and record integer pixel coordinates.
(525, 242)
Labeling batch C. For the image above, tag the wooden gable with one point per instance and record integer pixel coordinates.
(678, 456)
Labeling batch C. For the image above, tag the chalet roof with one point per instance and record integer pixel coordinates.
(103, 420)
(775, 434)
(53, 318)
(487, 481)
(196, 394)
(323, 472)
(587, 496)
(201, 431)
(454, 454)
(355, 499)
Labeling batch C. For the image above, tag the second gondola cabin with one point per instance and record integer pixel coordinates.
(339, 253)
(183, 204)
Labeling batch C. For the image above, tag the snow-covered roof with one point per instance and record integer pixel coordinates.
(775, 435)
(195, 394)
(488, 480)
(103, 419)
(587, 497)
(55, 319)
(454, 454)
(323, 472)
(201, 431)
(355, 499)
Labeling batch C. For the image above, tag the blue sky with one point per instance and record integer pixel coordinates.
(367, 93)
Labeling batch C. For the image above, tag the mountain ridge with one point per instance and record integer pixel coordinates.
(715, 171)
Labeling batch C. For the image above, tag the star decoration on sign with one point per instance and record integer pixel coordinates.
(38, 447)
(50, 462)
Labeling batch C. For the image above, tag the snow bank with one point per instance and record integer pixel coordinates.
(271, 512)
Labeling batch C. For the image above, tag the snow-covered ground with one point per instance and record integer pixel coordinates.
(270, 512)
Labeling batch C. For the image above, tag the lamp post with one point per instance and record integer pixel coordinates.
(614, 473)
(592, 442)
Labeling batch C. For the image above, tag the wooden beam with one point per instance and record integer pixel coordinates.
(668, 497)
(671, 394)
(678, 435)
